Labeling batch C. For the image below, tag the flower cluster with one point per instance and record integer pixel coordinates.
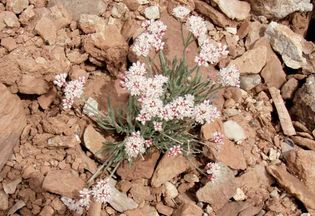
(213, 171)
(229, 76)
(71, 90)
(180, 12)
(205, 112)
(135, 145)
(151, 37)
(101, 193)
(197, 26)
(218, 138)
(174, 151)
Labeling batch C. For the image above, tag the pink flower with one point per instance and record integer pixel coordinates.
(174, 151)
(197, 26)
(102, 191)
(60, 80)
(229, 76)
(157, 126)
(218, 137)
(205, 112)
(214, 171)
(134, 145)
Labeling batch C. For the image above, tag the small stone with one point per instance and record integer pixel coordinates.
(46, 28)
(188, 209)
(273, 154)
(152, 12)
(289, 88)
(10, 187)
(252, 61)
(8, 43)
(47, 99)
(234, 9)
(62, 182)
(234, 131)
(18, 205)
(287, 43)
(64, 141)
(90, 107)
(4, 200)
(32, 85)
(168, 168)
(89, 23)
(94, 141)
(170, 190)
(191, 178)
(249, 82)
(119, 9)
(47, 211)
(133, 5)
(17, 6)
(239, 195)
(27, 15)
(163, 209)
(10, 19)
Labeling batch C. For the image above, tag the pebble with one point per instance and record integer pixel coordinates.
(234, 131)
(152, 12)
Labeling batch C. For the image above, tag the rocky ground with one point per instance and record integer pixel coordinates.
(269, 149)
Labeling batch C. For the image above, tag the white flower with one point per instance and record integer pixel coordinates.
(174, 151)
(60, 80)
(134, 145)
(136, 68)
(158, 126)
(142, 44)
(181, 12)
(102, 191)
(218, 137)
(197, 26)
(85, 198)
(229, 76)
(214, 171)
(205, 112)
(72, 205)
(135, 84)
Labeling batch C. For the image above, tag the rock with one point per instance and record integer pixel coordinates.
(94, 141)
(251, 61)
(119, 9)
(8, 43)
(133, 5)
(239, 208)
(46, 100)
(301, 163)
(234, 9)
(61, 17)
(4, 200)
(250, 81)
(293, 185)
(10, 187)
(152, 12)
(217, 18)
(120, 202)
(78, 7)
(287, 43)
(289, 88)
(234, 131)
(18, 205)
(163, 209)
(134, 212)
(17, 6)
(140, 193)
(47, 211)
(304, 103)
(90, 107)
(27, 15)
(90, 23)
(63, 182)
(46, 28)
(9, 19)
(304, 142)
(168, 168)
(256, 31)
(141, 168)
(170, 190)
(224, 185)
(71, 141)
(239, 195)
(188, 209)
(279, 9)
(11, 110)
(32, 85)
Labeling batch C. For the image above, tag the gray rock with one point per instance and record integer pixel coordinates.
(234, 131)
(152, 12)
(248, 82)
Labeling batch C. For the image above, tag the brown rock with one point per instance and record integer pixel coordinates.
(63, 182)
(61, 17)
(133, 5)
(134, 212)
(303, 108)
(293, 185)
(139, 168)
(168, 168)
(27, 15)
(239, 208)
(225, 186)
(163, 209)
(47, 211)
(17, 6)
(46, 28)
(251, 61)
(256, 31)
(11, 110)
(32, 85)
(304, 142)
(234, 9)
(46, 100)
(217, 18)
(301, 163)
(4, 200)
(8, 43)
(64, 141)
(9, 19)
(289, 88)
(188, 209)
(140, 193)
(10, 187)
(243, 29)
(94, 141)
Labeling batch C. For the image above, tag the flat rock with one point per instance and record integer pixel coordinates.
(224, 185)
(46, 28)
(234, 9)
(239, 208)
(250, 81)
(4, 200)
(252, 61)
(293, 185)
(301, 163)
(94, 141)
(62, 182)
(289, 88)
(188, 209)
(304, 142)
(168, 168)
(11, 110)
(78, 7)
(32, 85)
(141, 168)
(304, 103)
(234, 131)
(10, 187)
(61, 141)
(287, 43)
(8, 19)
(278, 9)
(17, 6)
